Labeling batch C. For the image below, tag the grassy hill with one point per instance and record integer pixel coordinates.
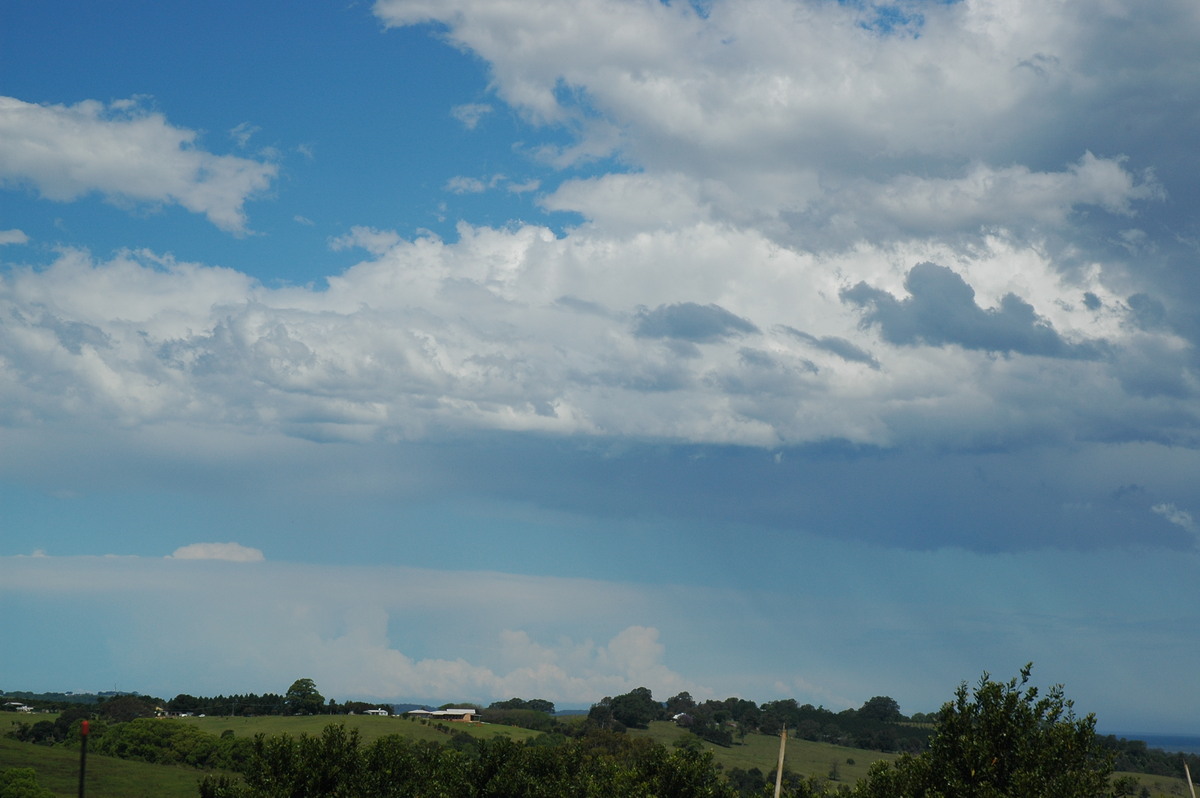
(57, 767)
(58, 771)
(370, 727)
(762, 751)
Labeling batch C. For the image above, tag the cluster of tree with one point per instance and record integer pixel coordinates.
(171, 742)
(877, 725)
(117, 709)
(228, 705)
(1002, 740)
(302, 698)
(1136, 757)
(752, 783)
(156, 740)
(22, 783)
(337, 764)
(60, 700)
(533, 704)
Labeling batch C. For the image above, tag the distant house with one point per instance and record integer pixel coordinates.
(17, 706)
(376, 712)
(467, 715)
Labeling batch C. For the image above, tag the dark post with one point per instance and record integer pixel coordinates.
(83, 735)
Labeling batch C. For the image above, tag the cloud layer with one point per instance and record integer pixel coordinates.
(864, 327)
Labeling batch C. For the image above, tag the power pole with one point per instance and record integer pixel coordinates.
(83, 735)
(779, 767)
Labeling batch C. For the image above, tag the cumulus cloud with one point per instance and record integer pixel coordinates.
(811, 114)
(230, 552)
(385, 632)
(744, 271)
(13, 237)
(126, 153)
(426, 337)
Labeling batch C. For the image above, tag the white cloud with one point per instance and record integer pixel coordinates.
(243, 132)
(230, 552)
(165, 625)
(787, 112)
(127, 154)
(13, 237)
(383, 632)
(1180, 518)
(470, 114)
(990, 198)
(465, 185)
(427, 335)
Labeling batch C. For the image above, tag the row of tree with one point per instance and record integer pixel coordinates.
(877, 725)
(337, 764)
(999, 740)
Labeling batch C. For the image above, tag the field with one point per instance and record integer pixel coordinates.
(762, 751)
(370, 727)
(58, 768)
(58, 771)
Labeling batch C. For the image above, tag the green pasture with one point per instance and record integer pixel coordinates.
(370, 727)
(762, 751)
(58, 771)
(58, 767)
(817, 759)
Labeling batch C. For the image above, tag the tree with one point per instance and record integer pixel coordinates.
(22, 783)
(302, 698)
(1001, 740)
(681, 703)
(125, 708)
(881, 707)
(635, 708)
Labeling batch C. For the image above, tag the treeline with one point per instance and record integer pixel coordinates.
(57, 702)
(337, 764)
(154, 740)
(242, 704)
(877, 725)
(1135, 756)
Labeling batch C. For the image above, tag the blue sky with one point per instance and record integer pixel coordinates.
(463, 350)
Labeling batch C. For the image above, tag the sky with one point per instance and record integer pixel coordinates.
(463, 350)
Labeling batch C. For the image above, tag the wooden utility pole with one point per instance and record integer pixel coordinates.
(83, 735)
(1187, 772)
(779, 767)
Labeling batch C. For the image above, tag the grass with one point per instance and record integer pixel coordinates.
(58, 768)
(762, 751)
(370, 727)
(58, 771)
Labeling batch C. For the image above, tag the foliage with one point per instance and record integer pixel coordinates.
(171, 742)
(50, 732)
(126, 708)
(302, 698)
(881, 707)
(242, 704)
(21, 783)
(1002, 740)
(1136, 757)
(534, 704)
(337, 764)
(57, 770)
(636, 709)
(524, 718)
